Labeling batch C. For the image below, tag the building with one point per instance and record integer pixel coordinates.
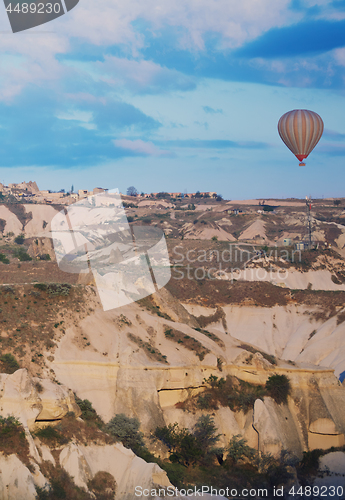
(99, 190)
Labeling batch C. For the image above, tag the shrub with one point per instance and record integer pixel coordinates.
(21, 254)
(41, 286)
(126, 430)
(4, 259)
(8, 363)
(8, 426)
(278, 387)
(103, 486)
(49, 433)
(87, 411)
(238, 450)
(44, 256)
(19, 239)
(310, 461)
(12, 438)
(188, 448)
(54, 289)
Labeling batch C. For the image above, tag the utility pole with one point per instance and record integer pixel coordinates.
(309, 230)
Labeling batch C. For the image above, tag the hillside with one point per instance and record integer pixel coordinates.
(210, 344)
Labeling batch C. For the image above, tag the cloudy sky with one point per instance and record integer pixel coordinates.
(174, 96)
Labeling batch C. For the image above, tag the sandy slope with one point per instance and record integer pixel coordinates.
(41, 216)
(290, 332)
(12, 222)
(208, 233)
(254, 231)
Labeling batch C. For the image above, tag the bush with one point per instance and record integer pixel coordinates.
(4, 259)
(103, 486)
(21, 254)
(19, 239)
(126, 430)
(278, 387)
(44, 256)
(238, 450)
(87, 411)
(8, 426)
(188, 448)
(49, 433)
(54, 288)
(8, 363)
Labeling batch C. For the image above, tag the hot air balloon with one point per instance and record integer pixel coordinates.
(300, 130)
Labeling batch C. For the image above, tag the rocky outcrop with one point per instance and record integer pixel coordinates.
(16, 481)
(173, 308)
(276, 427)
(32, 399)
(82, 463)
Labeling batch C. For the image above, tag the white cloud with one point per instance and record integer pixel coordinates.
(141, 147)
(339, 56)
(236, 21)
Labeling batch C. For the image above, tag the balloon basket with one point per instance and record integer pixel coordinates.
(302, 164)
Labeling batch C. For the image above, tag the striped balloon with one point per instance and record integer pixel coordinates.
(300, 130)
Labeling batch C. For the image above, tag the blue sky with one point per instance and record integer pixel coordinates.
(174, 96)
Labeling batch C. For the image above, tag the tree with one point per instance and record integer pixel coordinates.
(126, 430)
(191, 448)
(132, 191)
(72, 188)
(278, 387)
(239, 450)
(205, 432)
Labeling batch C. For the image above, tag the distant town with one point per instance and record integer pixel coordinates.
(30, 192)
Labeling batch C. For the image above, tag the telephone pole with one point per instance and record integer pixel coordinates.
(309, 229)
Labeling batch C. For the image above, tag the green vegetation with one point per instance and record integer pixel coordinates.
(8, 426)
(21, 254)
(19, 239)
(4, 259)
(51, 434)
(278, 387)
(62, 486)
(54, 289)
(103, 486)
(237, 394)
(271, 359)
(191, 448)
(12, 437)
(126, 430)
(153, 308)
(238, 450)
(8, 363)
(187, 341)
(88, 413)
(44, 256)
(195, 460)
(151, 351)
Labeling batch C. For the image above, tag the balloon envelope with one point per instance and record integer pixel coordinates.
(300, 130)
